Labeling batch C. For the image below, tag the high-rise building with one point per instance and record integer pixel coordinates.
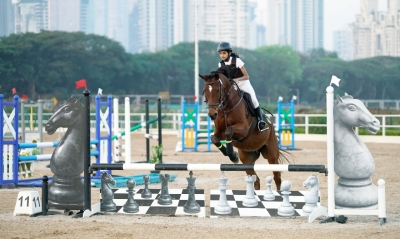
(155, 25)
(6, 18)
(376, 33)
(30, 15)
(111, 19)
(342, 44)
(298, 23)
(222, 20)
(67, 16)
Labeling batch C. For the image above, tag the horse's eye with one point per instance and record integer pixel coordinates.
(67, 108)
(352, 108)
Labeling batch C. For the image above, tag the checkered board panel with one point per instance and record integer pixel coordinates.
(150, 206)
(263, 209)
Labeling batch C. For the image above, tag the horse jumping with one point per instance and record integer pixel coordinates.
(235, 124)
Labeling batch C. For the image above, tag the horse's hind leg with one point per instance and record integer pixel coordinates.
(250, 158)
(273, 158)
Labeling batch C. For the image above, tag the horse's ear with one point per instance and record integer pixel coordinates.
(339, 98)
(202, 77)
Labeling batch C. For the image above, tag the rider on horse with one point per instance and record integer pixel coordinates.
(238, 73)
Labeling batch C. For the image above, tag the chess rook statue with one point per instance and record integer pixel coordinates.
(353, 161)
(107, 195)
(66, 163)
(164, 198)
(250, 200)
(311, 197)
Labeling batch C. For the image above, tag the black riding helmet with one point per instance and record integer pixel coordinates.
(224, 46)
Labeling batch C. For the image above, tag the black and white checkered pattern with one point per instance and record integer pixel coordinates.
(150, 206)
(263, 209)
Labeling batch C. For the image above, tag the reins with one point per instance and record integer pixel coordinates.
(220, 105)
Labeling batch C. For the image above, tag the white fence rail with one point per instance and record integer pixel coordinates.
(173, 121)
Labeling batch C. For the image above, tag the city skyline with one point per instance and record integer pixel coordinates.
(338, 15)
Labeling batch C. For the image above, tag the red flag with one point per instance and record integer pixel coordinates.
(14, 91)
(81, 83)
(25, 97)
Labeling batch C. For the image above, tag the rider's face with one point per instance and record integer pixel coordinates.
(224, 55)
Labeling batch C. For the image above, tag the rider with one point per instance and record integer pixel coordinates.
(239, 74)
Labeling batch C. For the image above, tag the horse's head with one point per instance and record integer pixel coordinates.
(353, 113)
(107, 178)
(66, 114)
(216, 90)
(311, 181)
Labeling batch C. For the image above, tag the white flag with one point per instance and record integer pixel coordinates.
(100, 91)
(335, 81)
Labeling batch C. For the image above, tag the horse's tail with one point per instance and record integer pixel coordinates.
(284, 155)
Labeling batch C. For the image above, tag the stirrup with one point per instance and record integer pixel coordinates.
(266, 126)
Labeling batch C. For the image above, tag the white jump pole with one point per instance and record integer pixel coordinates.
(116, 127)
(330, 151)
(127, 131)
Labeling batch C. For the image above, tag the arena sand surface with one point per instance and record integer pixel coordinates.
(387, 163)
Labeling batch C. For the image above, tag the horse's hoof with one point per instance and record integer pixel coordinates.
(235, 158)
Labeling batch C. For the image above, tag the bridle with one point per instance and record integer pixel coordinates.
(223, 97)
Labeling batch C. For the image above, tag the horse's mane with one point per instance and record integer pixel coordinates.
(69, 100)
(346, 96)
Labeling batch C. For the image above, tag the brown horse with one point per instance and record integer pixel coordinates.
(235, 124)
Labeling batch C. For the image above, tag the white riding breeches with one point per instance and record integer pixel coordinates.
(246, 86)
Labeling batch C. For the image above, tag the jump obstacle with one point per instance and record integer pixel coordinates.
(330, 211)
(127, 145)
(88, 168)
(192, 135)
(9, 148)
(103, 141)
(285, 124)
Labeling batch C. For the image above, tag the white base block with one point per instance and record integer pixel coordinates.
(28, 203)
(95, 209)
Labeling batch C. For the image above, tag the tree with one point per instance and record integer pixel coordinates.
(50, 62)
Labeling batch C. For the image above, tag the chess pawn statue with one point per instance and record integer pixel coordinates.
(222, 206)
(269, 195)
(146, 193)
(164, 198)
(311, 197)
(131, 206)
(250, 200)
(107, 195)
(286, 208)
(191, 205)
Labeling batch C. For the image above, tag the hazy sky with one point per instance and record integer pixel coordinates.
(337, 15)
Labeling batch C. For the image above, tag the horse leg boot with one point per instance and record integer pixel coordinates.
(219, 145)
(233, 155)
(262, 125)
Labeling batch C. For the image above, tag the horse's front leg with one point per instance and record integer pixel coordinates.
(227, 151)
(215, 140)
(233, 155)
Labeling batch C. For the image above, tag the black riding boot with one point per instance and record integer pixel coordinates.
(262, 125)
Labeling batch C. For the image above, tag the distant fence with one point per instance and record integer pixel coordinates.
(304, 123)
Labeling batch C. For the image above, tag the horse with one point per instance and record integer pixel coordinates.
(66, 162)
(235, 124)
(311, 197)
(353, 161)
(107, 195)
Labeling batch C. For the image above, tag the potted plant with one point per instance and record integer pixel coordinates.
(156, 154)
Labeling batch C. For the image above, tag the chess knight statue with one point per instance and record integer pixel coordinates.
(353, 161)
